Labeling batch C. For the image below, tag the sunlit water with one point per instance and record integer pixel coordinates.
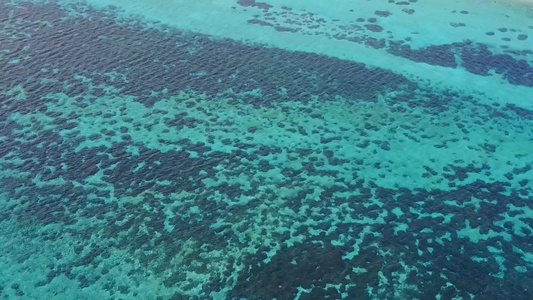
(266, 150)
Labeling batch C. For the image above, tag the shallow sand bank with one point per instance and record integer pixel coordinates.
(527, 2)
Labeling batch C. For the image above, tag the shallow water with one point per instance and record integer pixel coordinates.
(265, 150)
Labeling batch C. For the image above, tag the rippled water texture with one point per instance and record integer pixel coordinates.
(238, 149)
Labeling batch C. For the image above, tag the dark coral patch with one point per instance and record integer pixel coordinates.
(457, 24)
(286, 29)
(382, 13)
(253, 3)
(308, 265)
(441, 55)
(260, 22)
(374, 27)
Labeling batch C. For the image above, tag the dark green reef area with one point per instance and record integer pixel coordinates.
(140, 161)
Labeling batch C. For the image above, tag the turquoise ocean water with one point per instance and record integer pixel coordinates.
(241, 149)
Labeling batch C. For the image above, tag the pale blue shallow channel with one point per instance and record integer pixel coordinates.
(241, 149)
